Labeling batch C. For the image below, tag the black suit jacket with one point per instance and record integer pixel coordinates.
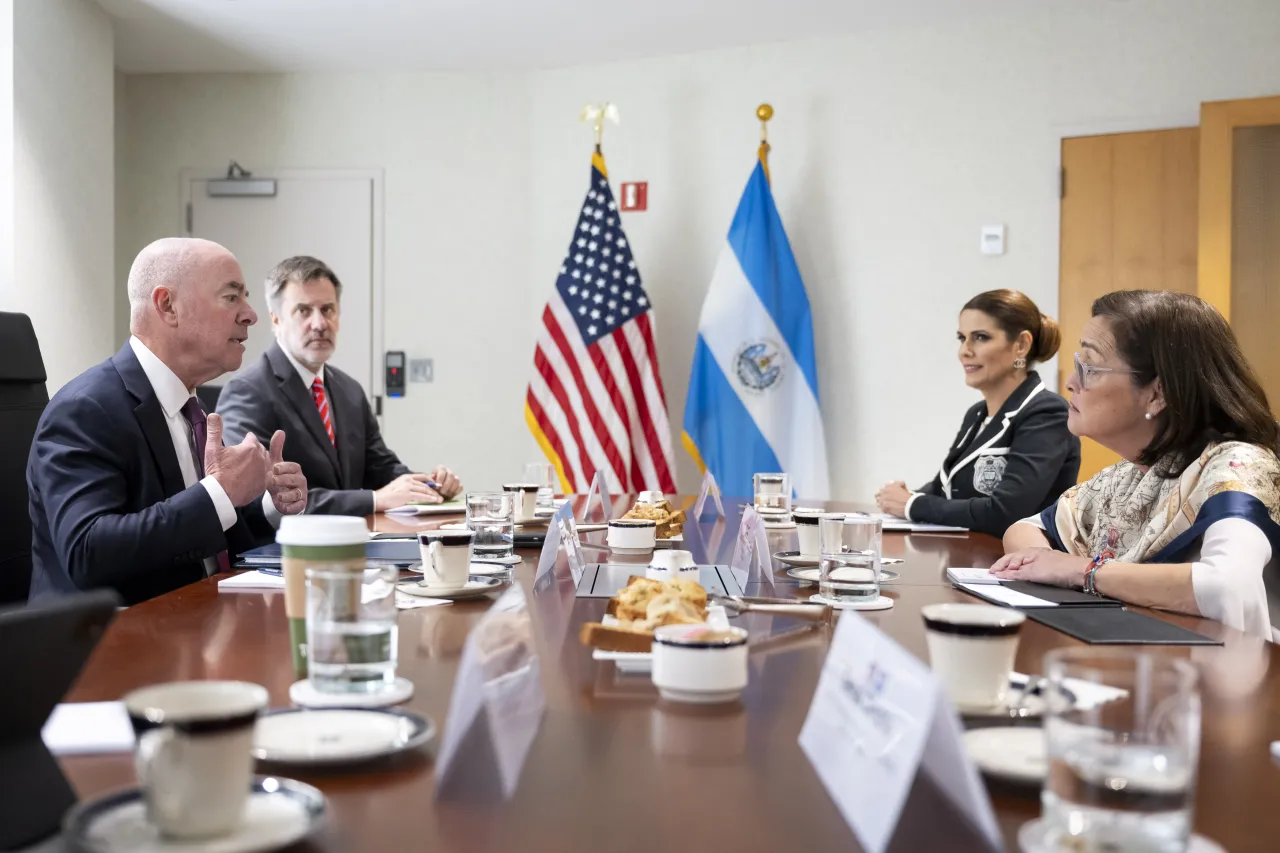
(271, 395)
(1013, 468)
(108, 505)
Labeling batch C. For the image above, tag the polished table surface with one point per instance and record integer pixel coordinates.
(615, 769)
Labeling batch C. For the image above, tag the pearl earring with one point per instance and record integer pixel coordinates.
(1148, 416)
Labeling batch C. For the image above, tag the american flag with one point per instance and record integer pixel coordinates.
(596, 402)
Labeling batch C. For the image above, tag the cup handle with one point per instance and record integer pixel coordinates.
(153, 758)
(436, 550)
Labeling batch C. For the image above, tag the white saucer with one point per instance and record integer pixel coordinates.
(1036, 836)
(1032, 706)
(280, 812)
(337, 736)
(485, 568)
(881, 603)
(514, 559)
(810, 576)
(304, 694)
(699, 697)
(476, 587)
(1015, 753)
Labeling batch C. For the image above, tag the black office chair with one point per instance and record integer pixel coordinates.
(22, 400)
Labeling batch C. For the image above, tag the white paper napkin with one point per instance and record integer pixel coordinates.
(86, 728)
(404, 601)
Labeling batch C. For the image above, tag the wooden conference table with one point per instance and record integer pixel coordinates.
(614, 769)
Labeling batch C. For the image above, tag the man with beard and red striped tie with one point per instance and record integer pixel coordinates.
(333, 433)
(131, 487)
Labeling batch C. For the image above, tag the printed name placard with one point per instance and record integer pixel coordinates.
(879, 717)
(598, 493)
(751, 561)
(712, 488)
(497, 704)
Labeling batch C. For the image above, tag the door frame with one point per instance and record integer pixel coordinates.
(376, 177)
(1218, 123)
(1060, 132)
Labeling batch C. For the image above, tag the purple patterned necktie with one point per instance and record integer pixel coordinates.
(194, 413)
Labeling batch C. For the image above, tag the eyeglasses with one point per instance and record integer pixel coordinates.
(1086, 372)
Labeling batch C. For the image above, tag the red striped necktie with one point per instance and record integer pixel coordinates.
(322, 404)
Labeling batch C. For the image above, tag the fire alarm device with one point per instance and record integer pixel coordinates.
(635, 196)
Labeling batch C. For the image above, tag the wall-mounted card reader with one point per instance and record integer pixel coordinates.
(395, 367)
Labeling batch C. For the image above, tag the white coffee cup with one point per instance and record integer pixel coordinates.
(632, 534)
(446, 558)
(972, 649)
(194, 753)
(650, 496)
(671, 564)
(699, 663)
(524, 499)
(806, 520)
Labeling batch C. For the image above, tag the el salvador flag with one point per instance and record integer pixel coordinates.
(753, 394)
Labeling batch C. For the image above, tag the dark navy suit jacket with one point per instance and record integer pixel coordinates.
(108, 504)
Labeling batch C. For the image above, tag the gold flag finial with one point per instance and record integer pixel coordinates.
(597, 114)
(764, 112)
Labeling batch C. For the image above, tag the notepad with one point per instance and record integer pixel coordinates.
(429, 509)
(980, 576)
(88, 728)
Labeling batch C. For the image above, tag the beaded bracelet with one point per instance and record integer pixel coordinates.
(1090, 586)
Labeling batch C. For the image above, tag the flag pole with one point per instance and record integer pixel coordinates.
(764, 112)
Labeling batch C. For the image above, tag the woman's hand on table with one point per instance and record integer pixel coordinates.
(1042, 565)
(892, 498)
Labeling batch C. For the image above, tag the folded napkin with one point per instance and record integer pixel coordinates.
(87, 728)
(251, 580)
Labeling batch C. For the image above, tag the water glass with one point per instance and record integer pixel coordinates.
(1122, 769)
(491, 517)
(351, 629)
(849, 558)
(772, 494)
(544, 474)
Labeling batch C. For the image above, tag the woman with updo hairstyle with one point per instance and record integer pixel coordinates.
(1014, 454)
(1189, 519)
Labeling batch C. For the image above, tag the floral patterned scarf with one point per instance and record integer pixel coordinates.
(1132, 516)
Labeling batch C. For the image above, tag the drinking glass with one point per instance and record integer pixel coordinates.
(351, 629)
(491, 517)
(772, 494)
(849, 558)
(1122, 767)
(544, 474)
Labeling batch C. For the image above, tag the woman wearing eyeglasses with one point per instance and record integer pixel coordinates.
(1189, 520)
(1013, 455)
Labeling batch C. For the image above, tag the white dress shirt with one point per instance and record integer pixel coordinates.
(173, 395)
(1226, 576)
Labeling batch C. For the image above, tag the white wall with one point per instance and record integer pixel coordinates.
(63, 181)
(6, 154)
(457, 212)
(891, 149)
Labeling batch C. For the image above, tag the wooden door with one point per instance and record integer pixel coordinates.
(1240, 226)
(1129, 221)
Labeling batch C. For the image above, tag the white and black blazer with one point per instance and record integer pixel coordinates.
(1015, 465)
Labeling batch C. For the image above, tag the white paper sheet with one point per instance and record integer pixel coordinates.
(251, 580)
(1011, 597)
(88, 728)
(429, 509)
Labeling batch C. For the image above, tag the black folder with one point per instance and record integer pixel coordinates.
(1116, 626)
